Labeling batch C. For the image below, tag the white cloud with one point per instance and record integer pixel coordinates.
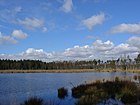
(45, 29)
(12, 39)
(134, 41)
(7, 40)
(32, 53)
(87, 52)
(123, 48)
(39, 54)
(93, 21)
(31, 23)
(97, 50)
(78, 52)
(126, 28)
(19, 34)
(67, 6)
(103, 46)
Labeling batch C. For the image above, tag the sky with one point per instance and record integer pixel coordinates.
(52, 30)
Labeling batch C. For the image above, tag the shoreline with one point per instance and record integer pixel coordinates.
(65, 71)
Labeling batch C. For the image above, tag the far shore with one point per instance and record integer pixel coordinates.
(66, 71)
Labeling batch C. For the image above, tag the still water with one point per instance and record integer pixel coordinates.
(15, 88)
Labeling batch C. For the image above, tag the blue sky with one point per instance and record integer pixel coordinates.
(69, 29)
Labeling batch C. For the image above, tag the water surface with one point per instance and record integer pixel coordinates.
(15, 88)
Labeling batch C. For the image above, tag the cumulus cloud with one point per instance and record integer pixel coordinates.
(31, 23)
(32, 53)
(13, 38)
(67, 6)
(78, 52)
(134, 41)
(123, 48)
(7, 40)
(126, 28)
(98, 50)
(93, 21)
(19, 34)
(103, 46)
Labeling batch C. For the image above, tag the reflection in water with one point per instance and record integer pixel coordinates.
(15, 88)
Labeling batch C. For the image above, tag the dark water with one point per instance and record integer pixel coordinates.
(15, 88)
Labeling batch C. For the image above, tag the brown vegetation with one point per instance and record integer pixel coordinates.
(64, 71)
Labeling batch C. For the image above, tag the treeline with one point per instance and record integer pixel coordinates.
(22, 64)
(121, 63)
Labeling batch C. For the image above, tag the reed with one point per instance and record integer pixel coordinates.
(65, 71)
(33, 101)
(126, 91)
(38, 101)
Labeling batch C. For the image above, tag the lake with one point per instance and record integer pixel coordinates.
(16, 88)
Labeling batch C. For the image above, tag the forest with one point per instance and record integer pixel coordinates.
(123, 63)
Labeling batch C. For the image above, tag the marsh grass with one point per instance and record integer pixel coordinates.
(135, 77)
(87, 100)
(139, 78)
(126, 91)
(66, 71)
(33, 101)
(62, 93)
(38, 101)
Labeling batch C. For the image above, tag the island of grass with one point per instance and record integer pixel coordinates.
(117, 92)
